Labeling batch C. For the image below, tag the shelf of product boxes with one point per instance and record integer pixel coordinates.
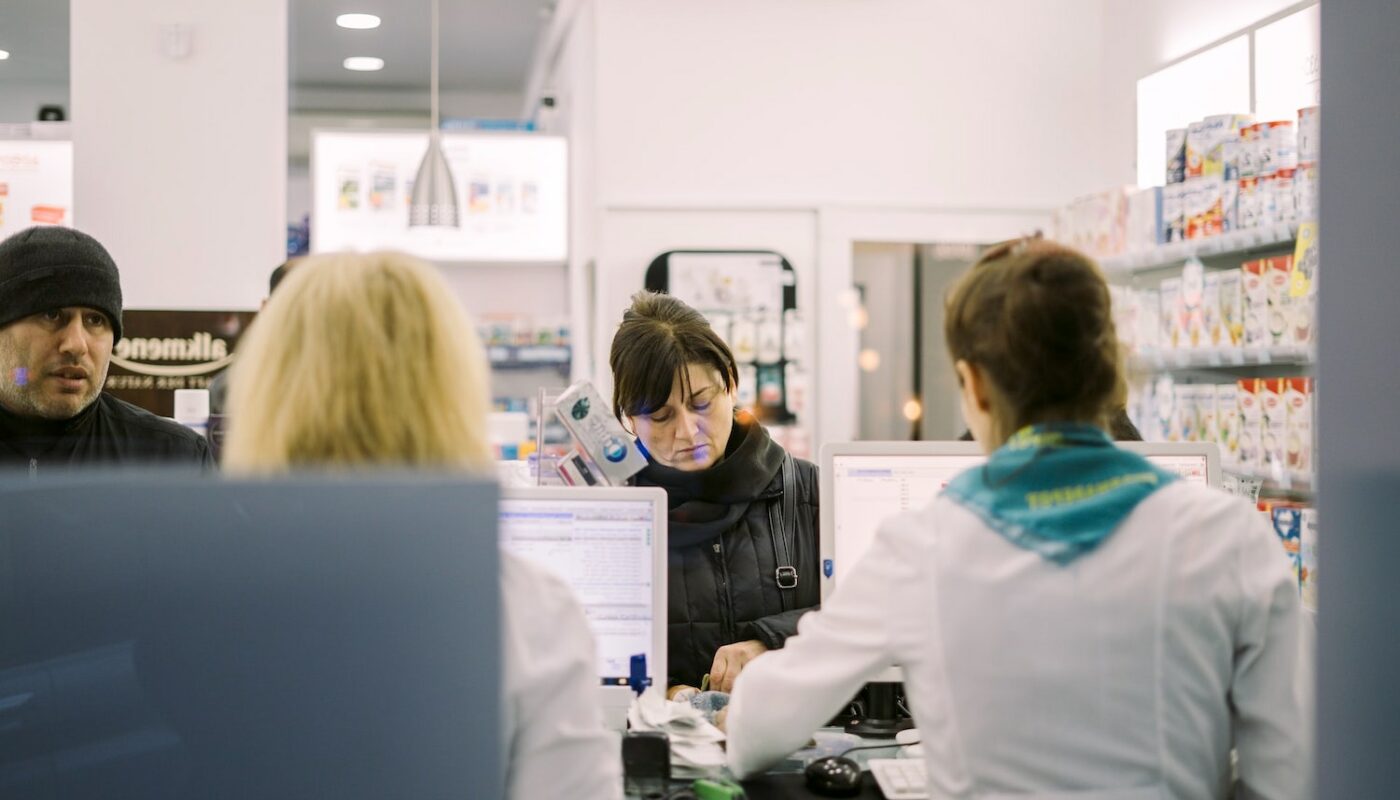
(1235, 243)
(529, 356)
(1220, 358)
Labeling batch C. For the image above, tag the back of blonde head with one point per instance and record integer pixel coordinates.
(359, 360)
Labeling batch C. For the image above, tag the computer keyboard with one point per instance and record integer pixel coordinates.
(900, 778)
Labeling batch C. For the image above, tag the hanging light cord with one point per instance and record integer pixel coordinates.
(434, 80)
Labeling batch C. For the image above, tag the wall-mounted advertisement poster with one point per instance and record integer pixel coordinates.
(162, 351)
(36, 184)
(511, 189)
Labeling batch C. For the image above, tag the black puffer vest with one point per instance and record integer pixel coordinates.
(743, 563)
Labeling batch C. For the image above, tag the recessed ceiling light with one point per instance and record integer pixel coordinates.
(4, 54)
(357, 22)
(364, 63)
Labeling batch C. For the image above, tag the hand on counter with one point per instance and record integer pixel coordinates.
(730, 660)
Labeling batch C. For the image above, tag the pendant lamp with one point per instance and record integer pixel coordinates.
(434, 200)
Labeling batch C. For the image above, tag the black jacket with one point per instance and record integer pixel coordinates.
(108, 432)
(724, 555)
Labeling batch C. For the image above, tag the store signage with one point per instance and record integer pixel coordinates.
(36, 184)
(162, 351)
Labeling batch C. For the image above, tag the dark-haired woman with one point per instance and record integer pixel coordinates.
(743, 513)
(1072, 622)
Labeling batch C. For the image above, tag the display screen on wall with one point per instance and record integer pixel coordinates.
(512, 195)
(36, 184)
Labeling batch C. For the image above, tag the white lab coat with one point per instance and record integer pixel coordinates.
(555, 744)
(1125, 675)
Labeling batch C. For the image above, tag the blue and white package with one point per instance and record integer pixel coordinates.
(588, 417)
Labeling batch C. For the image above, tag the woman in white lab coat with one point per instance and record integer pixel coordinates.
(1071, 621)
(366, 361)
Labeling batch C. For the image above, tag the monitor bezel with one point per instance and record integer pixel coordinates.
(656, 666)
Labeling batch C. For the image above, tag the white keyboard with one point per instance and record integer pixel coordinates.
(900, 778)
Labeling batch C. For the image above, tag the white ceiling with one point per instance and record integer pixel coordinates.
(486, 44)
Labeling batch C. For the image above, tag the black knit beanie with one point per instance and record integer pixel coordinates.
(48, 267)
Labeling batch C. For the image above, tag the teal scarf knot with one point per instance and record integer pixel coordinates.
(1059, 490)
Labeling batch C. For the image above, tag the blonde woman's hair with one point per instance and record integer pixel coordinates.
(359, 360)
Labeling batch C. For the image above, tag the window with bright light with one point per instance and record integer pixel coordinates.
(1215, 81)
(1287, 65)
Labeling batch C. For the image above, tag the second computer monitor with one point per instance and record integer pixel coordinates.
(609, 546)
(865, 483)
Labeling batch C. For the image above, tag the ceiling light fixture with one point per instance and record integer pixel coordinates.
(358, 22)
(434, 199)
(364, 63)
(4, 54)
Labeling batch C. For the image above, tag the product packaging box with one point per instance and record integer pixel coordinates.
(796, 386)
(598, 433)
(1285, 199)
(1305, 188)
(1173, 334)
(1298, 438)
(1145, 219)
(1275, 427)
(1278, 146)
(1227, 421)
(1256, 304)
(1309, 130)
(1250, 397)
(1307, 575)
(1266, 200)
(1176, 156)
(1211, 202)
(1247, 204)
(1183, 425)
(1164, 398)
(1219, 132)
(1215, 334)
(1277, 277)
(745, 338)
(1193, 207)
(1193, 295)
(1195, 149)
(794, 335)
(1207, 414)
(1288, 524)
(1230, 205)
(770, 338)
(1249, 151)
(1231, 307)
(1174, 212)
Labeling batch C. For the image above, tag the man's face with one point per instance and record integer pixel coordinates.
(53, 364)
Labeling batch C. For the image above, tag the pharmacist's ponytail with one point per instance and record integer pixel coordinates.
(1035, 318)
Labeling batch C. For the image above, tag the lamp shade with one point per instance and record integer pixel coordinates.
(434, 199)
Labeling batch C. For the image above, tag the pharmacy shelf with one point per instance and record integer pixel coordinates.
(1240, 243)
(530, 357)
(1278, 481)
(1220, 358)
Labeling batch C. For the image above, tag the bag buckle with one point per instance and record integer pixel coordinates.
(787, 577)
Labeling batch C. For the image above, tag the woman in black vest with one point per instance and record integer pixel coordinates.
(743, 513)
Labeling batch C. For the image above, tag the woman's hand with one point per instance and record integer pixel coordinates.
(730, 660)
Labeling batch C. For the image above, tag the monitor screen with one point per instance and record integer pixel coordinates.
(610, 550)
(869, 488)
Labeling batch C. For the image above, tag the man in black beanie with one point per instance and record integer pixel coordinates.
(60, 315)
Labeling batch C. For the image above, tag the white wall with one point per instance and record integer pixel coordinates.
(730, 124)
(180, 167)
(20, 102)
(1141, 36)
(852, 102)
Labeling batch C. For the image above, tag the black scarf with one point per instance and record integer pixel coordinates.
(705, 503)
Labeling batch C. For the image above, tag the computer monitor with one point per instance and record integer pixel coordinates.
(163, 636)
(609, 545)
(864, 483)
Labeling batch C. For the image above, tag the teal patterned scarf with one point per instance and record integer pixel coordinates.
(1059, 490)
